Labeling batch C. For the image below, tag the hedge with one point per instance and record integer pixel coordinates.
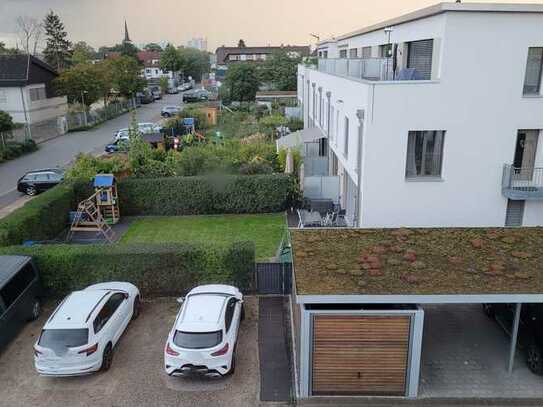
(157, 270)
(42, 218)
(205, 195)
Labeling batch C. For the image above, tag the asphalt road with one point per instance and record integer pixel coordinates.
(61, 150)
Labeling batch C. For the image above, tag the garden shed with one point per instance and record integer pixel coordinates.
(359, 299)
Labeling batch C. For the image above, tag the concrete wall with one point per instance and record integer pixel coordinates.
(36, 111)
(477, 100)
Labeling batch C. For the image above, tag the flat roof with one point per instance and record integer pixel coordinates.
(442, 8)
(419, 265)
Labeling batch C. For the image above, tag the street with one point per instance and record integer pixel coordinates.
(60, 151)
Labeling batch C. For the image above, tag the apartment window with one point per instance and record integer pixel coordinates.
(320, 54)
(37, 94)
(249, 57)
(343, 53)
(419, 57)
(233, 57)
(534, 67)
(3, 96)
(353, 53)
(366, 52)
(325, 54)
(424, 153)
(346, 145)
(385, 51)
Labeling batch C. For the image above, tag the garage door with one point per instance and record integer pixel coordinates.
(419, 56)
(360, 355)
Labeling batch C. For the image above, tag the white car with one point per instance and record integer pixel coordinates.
(80, 335)
(120, 134)
(147, 128)
(204, 336)
(169, 111)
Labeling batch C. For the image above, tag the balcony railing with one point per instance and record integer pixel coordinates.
(374, 69)
(520, 183)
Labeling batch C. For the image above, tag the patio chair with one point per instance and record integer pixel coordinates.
(340, 219)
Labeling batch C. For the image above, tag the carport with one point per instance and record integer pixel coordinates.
(359, 294)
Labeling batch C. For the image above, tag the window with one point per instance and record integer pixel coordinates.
(424, 153)
(534, 65)
(107, 311)
(17, 285)
(325, 54)
(353, 53)
(366, 52)
(233, 57)
(37, 94)
(197, 340)
(320, 54)
(343, 53)
(385, 51)
(419, 57)
(346, 145)
(60, 339)
(229, 313)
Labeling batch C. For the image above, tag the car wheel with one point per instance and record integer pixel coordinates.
(232, 365)
(534, 359)
(137, 307)
(489, 310)
(31, 191)
(107, 358)
(242, 316)
(36, 310)
(167, 115)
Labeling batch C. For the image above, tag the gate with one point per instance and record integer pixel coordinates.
(273, 278)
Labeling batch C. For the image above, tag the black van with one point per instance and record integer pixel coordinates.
(20, 295)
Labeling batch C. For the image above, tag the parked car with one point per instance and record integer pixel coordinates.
(80, 335)
(36, 181)
(172, 91)
(196, 95)
(145, 97)
(204, 336)
(117, 145)
(169, 111)
(157, 95)
(122, 133)
(149, 127)
(20, 295)
(185, 86)
(530, 333)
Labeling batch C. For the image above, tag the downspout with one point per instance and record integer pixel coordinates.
(360, 114)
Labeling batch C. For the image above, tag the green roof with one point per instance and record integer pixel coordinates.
(418, 261)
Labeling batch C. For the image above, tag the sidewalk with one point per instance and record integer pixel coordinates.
(6, 210)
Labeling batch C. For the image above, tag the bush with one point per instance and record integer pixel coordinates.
(13, 149)
(205, 195)
(157, 270)
(87, 166)
(42, 218)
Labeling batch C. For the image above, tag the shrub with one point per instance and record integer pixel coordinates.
(157, 270)
(42, 218)
(13, 149)
(87, 166)
(282, 159)
(205, 195)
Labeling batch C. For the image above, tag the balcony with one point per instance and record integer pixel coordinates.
(371, 69)
(521, 183)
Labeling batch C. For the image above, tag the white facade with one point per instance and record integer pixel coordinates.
(199, 43)
(29, 104)
(474, 95)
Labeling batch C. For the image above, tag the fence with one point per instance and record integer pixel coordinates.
(321, 188)
(273, 278)
(78, 120)
(39, 132)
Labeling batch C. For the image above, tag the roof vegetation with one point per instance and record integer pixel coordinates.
(418, 261)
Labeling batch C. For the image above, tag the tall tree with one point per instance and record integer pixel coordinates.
(83, 83)
(194, 62)
(281, 70)
(125, 75)
(82, 53)
(170, 59)
(241, 44)
(29, 31)
(241, 83)
(57, 50)
(153, 46)
(129, 50)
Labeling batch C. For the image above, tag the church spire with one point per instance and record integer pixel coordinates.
(126, 37)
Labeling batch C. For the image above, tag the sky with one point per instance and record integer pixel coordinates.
(222, 22)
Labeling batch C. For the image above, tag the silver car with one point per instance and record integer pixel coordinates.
(169, 111)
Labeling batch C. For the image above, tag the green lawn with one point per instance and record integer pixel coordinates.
(264, 230)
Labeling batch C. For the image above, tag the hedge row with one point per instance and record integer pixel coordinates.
(42, 218)
(205, 195)
(157, 270)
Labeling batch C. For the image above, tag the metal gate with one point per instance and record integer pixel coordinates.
(273, 278)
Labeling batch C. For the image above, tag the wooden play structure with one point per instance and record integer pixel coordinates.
(99, 211)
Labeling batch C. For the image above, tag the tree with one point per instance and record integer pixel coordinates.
(29, 32)
(194, 62)
(241, 44)
(129, 50)
(170, 59)
(241, 83)
(57, 50)
(8, 51)
(125, 75)
(153, 46)
(83, 83)
(164, 84)
(82, 53)
(281, 70)
(6, 122)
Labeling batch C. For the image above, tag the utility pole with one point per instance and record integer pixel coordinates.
(84, 107)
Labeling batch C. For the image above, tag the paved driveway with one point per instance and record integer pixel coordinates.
(61, 150)
(137, 377)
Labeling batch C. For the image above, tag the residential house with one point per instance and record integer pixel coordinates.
(26, 91)
(151, 70)
(228, 55)
(434, 118)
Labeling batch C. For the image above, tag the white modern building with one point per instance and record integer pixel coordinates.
(433, 118)
(199, 43)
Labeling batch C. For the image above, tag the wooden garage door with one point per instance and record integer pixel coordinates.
(360, 355)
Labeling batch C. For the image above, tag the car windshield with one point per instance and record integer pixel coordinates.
(61, 339)
(197, 340)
